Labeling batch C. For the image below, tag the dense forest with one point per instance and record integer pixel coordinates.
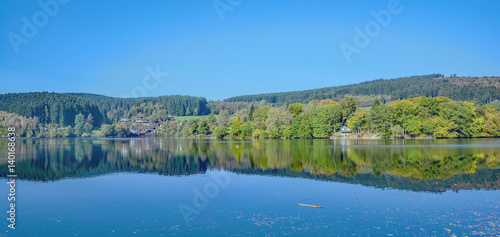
(44, 114)
(380, 108)
(50, 108)
(418, 116)
(57, 108)
(117, 108)
(481, 90)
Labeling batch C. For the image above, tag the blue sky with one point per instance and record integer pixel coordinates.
(106, 47)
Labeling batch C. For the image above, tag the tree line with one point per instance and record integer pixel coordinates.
(477, 89)
(50, 108)
(428, 117)
(44, 114)
(418, 116)
(116, 108)
(397, 114)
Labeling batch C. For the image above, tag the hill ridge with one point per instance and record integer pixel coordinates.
(480, 89)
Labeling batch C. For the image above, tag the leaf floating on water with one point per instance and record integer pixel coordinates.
(307, 205)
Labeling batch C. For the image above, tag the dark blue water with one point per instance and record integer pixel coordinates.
(139, 199)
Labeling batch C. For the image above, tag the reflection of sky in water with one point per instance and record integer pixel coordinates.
(98, 192)
(148, 205)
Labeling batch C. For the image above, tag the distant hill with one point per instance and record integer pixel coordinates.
(61, 108)
(50, 107)
(479, 89)
(175, 104)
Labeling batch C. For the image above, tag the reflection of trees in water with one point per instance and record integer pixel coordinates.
(483, 179)
(428, 164)
(57, 158)
(52, 159)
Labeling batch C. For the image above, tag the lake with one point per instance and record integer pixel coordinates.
(180, 187)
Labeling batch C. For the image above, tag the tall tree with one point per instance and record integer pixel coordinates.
(223, 118)
(79, 122)
(236, 127)
(376, 103)
(250, 113)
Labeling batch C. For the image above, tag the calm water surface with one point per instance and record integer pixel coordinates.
(170, 187)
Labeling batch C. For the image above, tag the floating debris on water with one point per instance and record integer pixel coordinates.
(306, 205)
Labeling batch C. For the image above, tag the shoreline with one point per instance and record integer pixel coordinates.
(261, 138)
(333, 137)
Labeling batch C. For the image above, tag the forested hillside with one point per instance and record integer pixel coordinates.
(117, 108)
(58, 108)
(473, 113)
(418, 116)
(482, 90)
(50, 108)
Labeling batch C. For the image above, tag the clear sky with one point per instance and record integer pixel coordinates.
(257, 46)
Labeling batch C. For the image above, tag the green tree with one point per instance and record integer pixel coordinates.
(358, 121)
(287, 131)
(220, 132)
(302, 126)
(491, 125)
(276, 122)
(107, 130)
(236, 127)
(203, 127)
(396, 131)
(296, 109)
(212, 120)
(68, 132)
(462, 115)
(87, 128)
(402, 111)
(79, 123)
(193, 126)
(375, 104)
(348, 106)
(223, 118)
(323, 120)
(121, 131)
(247, 129)
(261, 112)
(379, 119)
(250, 113)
